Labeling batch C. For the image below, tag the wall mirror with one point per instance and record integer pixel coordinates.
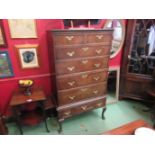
(113, 84)
(118, 35)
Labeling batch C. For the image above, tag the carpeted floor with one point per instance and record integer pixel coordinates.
(90, 123)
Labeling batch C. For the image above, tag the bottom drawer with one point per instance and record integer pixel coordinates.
(75, 110)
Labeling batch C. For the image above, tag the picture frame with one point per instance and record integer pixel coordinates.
(3, 42)
(28, 56)
(6, 69)
(22, 28)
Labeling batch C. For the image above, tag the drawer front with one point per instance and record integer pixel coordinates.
(83, 79)
(77, 94)
(66, 113)
(82, 65)
(68, 39)
(99, 38)
(80, 52)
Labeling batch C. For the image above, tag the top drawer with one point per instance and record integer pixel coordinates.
(72, 37)
(99, 38)
(68, 39)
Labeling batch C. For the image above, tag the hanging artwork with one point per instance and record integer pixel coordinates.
(28, 56)
(5, 65)
(3, 42)
(22, 28)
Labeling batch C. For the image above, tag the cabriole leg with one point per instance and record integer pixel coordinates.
(60, 127)
(103, 111)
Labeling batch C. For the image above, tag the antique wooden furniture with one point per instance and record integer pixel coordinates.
(81, 65)
(19, 101)
(3, 128)
(128, 129)
(138, 59)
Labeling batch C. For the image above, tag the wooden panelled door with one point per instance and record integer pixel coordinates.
(138, 59)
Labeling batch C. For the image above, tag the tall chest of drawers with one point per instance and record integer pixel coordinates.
(81, 68)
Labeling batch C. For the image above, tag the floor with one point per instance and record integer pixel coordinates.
(90, 123)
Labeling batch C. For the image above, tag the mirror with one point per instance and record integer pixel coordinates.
(113, 84)
(118, 35)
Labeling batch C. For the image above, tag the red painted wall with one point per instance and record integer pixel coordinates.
(42, 75)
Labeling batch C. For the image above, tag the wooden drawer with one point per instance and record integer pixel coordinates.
(81, 65)
(68, 39)
(71, 111)
(99, 38)
(81, 93)
(80, 52)
(82, 79)
(65, 38)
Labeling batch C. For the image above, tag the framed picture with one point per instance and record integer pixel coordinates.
(28, 56)
(22, 28)
(5, 65)
(3, 42)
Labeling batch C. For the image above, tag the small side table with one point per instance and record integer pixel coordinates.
(18, 99)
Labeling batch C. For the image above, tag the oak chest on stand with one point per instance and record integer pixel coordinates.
(81, 70)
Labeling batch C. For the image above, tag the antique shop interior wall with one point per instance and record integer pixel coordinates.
(41, 75)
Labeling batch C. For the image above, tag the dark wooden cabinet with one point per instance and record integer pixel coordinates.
(138, 59)
(81, 67)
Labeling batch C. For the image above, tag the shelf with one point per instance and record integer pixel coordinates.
(31, 117)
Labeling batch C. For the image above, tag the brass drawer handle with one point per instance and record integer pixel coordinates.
(85, 49)
(99, 51)
(84, 61)
(84, 76)
(83, 89)
(70, 54)
(95, 92)
(71, 83)
(97, 65)
(71, 68)
(96, 78)
(71, 97)
(84, 107)
(99, 36)
(69, 38)
(67, 113)
(99, 104)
